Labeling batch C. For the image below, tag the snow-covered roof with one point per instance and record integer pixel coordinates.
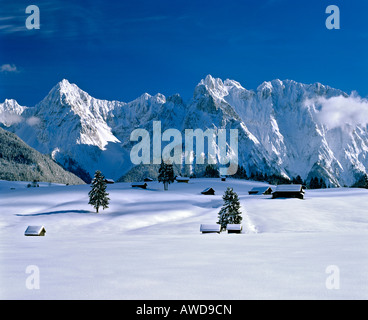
(234, 227)
(210, 228)
(288, 188)
(34, 230)
(259, 189)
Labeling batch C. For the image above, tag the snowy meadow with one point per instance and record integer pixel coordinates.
(147, 244)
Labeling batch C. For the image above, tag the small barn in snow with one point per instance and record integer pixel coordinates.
(139, 185)
(109, 181)
(234, 228)
(35, 231)
(260, 190)
(148, 179)
(182, 179)
(288, 191)
(208, 191)
(210, 228)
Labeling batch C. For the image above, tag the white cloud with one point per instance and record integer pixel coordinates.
(8, 68)
(341, 111)
(9, 119)
(33, 121)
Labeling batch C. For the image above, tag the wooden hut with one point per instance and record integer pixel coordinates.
(260, 190)
(148, 179)
(35, 231)
(139, 185)
(208, 191)
(234, 228)
(210, 228)
(109, 181)
(182, 179)
(288, 191)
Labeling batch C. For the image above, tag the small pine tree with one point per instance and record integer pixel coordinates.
(166, 174)
(230, 211)
(98, 197)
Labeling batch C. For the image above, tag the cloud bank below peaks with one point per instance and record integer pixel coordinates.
(340, 111)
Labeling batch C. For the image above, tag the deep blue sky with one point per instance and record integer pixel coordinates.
(117, 50)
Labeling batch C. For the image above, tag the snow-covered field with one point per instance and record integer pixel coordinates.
(147, 245)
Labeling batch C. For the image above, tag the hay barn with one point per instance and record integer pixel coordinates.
(260, 190)
(35, 231)
(208, 191)
(288, 191)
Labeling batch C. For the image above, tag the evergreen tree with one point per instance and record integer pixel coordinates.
(230, 211)
(211, 171)
(298, 180)
(98, 197)
(362, 182)
(166, 174)
(322, 184)
(314, 184)
(241, 173)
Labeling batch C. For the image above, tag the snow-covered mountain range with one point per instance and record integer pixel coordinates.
(280, 127)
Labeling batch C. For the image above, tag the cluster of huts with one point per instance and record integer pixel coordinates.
(280, 191)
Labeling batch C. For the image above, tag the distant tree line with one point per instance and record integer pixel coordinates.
(211, 171)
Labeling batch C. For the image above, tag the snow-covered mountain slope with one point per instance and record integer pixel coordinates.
(279, 127)
(19, 162)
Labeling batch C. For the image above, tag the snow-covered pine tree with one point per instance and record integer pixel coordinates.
(98, 197)
(230, 212)
(166, 174)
